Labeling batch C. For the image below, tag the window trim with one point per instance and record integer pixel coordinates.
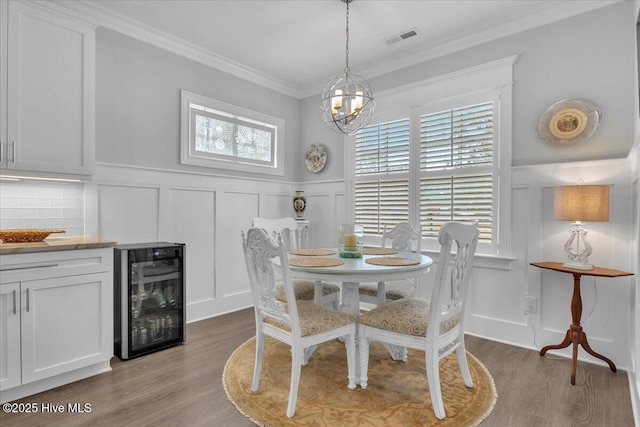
(495, 76)
(234, 113)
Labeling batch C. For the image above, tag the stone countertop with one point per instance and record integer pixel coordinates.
(55, 244)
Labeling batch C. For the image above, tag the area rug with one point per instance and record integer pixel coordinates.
(397, 393)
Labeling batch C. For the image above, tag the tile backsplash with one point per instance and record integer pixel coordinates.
(43, 204)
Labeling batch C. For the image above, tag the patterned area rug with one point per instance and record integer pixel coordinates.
(397, 393)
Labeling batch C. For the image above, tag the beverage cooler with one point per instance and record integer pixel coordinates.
(149, 284)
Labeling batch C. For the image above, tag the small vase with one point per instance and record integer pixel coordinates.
(299, 203)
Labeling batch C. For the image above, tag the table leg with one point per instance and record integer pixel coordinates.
(575, 335)
(351, 305)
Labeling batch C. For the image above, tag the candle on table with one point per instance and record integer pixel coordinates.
(350, 242)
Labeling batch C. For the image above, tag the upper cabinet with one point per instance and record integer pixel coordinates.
(47, 100)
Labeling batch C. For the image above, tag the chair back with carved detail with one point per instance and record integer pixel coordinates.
(260, 251)
(403, 237)
(294, 237)
(458, 243)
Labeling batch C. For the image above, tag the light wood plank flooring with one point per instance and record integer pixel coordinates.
(182, 386)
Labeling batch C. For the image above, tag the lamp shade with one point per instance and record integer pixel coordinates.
(582, 203)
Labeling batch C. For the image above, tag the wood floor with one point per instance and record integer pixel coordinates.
(182, 386)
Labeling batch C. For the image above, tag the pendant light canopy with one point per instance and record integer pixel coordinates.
(347, 99)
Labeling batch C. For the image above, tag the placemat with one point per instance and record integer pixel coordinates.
(313, 252)
(315, 262)
(379, 251)
(392, 261)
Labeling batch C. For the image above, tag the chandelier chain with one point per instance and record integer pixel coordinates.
(346, 68)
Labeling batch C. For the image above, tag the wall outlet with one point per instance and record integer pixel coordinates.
(530, 304)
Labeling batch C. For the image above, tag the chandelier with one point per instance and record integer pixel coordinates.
(347, 99)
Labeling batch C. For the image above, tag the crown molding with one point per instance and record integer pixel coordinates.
(562, 10)
(99, 16)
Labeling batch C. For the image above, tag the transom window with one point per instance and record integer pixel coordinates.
(225, 136)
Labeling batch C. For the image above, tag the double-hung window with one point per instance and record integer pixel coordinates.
(382, 175)
(458, 175)
(445, 159)
(224, 136)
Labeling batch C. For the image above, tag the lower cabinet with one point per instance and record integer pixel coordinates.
(10, 368)
(54, 330)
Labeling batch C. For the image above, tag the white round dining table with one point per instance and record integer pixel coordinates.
(353, 272)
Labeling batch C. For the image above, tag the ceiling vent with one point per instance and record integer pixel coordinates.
(402, 36)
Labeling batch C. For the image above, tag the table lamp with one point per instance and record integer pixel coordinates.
(580, 203)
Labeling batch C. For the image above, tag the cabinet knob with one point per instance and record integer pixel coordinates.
(15, 308)
(27, 300)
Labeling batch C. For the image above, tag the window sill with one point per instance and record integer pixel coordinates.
(481, 260)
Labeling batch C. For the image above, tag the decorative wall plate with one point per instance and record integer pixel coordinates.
(316, 157)
(568, 122)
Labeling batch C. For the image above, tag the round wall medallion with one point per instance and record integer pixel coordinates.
(316, 157)
(568, 122)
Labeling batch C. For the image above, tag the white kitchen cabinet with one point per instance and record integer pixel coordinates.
(60, 328)
(10, 365)
(48, 67)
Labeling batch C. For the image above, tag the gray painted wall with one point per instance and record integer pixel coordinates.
(138, 104)
(589, 56)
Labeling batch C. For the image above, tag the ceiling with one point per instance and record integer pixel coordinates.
(295, 46)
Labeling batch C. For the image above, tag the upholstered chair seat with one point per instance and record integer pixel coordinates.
(305, 290)
(314, 319)
(409, 317)
(394, 290)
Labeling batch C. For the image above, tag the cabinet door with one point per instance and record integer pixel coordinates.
(50, 107)
(67, 323)
(10, 375)
(3, 84)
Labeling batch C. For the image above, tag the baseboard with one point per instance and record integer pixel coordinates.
(634, 389)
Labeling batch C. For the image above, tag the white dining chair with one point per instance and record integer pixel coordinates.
(403, 237)
(301, 325)
(435, 326)
(296, 238)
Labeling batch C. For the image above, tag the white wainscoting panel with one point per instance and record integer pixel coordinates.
(130, 209)
(236, 213)
(128, 213)
(192, 221)
(206, 212)
(276, 205)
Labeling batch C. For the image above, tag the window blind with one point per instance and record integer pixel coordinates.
(381, 175)
(456, 168)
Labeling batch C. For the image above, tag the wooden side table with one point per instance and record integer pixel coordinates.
(575, 334)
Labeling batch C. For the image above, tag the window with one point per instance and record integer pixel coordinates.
(382, 175)
(438, 161)
(224, 136)
(457, 169)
